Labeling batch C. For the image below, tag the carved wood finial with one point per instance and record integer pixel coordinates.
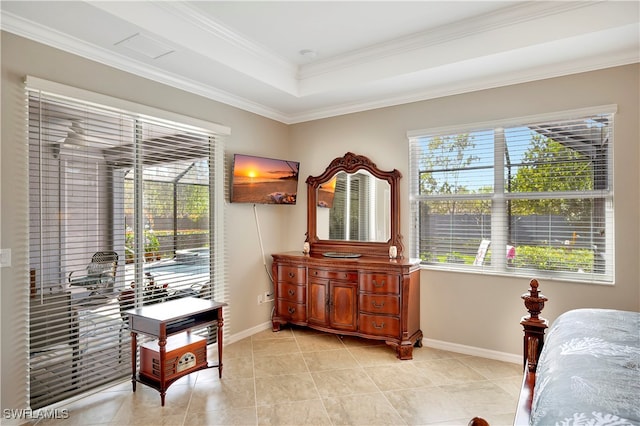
(534, 301)
(534, 326)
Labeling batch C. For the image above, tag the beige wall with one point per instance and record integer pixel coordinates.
(479, 310)
(472, 310)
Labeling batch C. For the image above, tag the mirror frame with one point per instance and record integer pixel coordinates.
(351, 163)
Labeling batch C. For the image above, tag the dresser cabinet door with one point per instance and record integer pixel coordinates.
(318, 302)
(342, 305)
(333, 299)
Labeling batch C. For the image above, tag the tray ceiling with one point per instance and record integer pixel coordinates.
(360, 55)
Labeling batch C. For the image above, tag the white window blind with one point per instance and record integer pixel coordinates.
(530, 197)
(124, 210)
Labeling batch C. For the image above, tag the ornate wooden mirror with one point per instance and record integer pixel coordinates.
(354, 208)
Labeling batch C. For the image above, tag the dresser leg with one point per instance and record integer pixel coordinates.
(405, 352)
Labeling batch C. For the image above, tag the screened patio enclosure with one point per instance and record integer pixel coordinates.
(105, 181)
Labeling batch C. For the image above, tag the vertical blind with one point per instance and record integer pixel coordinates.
(531, 196)
(123, 211)
(352, 216)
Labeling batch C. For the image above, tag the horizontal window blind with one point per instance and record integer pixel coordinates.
(122, 213)
(529, 198)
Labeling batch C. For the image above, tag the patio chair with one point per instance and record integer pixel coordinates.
(99, 275)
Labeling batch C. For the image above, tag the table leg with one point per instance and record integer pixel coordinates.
(134, 353)
(220, 324)
(162, 343)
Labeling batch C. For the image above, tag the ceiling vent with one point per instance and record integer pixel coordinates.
(146, 46)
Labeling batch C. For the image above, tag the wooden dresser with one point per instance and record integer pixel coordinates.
(370, 296)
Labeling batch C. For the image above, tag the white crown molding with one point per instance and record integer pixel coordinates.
(526, 11)
(193, 16)
(41, 34)
(36, 32)
(190, 30)
(525, 76)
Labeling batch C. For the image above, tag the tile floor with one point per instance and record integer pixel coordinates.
(302, 377)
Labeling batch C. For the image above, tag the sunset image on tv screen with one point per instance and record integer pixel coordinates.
(264, 180)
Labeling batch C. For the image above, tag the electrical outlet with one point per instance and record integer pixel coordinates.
(259, 299)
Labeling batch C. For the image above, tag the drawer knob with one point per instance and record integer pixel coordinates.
(379, 327)
(378, 285)
(291, 310)
(377, 305)
(292, 274)
(291, 292)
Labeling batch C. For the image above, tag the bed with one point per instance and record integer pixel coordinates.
(586, 372)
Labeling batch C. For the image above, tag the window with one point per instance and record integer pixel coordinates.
(529, 197)
(125, 209)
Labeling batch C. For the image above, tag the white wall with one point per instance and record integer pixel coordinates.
(472, 310)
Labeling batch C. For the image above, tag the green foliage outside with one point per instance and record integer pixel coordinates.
(528, 257)
(549, 166)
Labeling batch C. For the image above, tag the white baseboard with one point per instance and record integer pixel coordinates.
(472, 350)
(436, 344)
(247, 333)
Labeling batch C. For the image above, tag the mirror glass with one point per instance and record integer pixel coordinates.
(354, 207)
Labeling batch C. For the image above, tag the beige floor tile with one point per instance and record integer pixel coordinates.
(425, 353)
(423, 406)
(351, 381)
(228, 416)
(301, 376)
(329, 360)
(286, 388)
(222, 394)
(298, 413)
(368, 409)
(512, 385)
(284, 333)
(401, 375)
(274, 347)
(448, 371)
(239, 349)
(319, 342)
(233, 368)
(493, 369)
(484, 399)
(277, 365)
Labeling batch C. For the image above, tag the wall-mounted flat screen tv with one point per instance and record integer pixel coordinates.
(261, 180)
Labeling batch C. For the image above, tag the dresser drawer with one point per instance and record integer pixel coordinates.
(293, 311)
(333, 274)
(292, 292)
(380, 283)
(379, 325)
(291, 274)
(377, 304)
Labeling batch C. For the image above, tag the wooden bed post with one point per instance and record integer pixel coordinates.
(534, 326)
